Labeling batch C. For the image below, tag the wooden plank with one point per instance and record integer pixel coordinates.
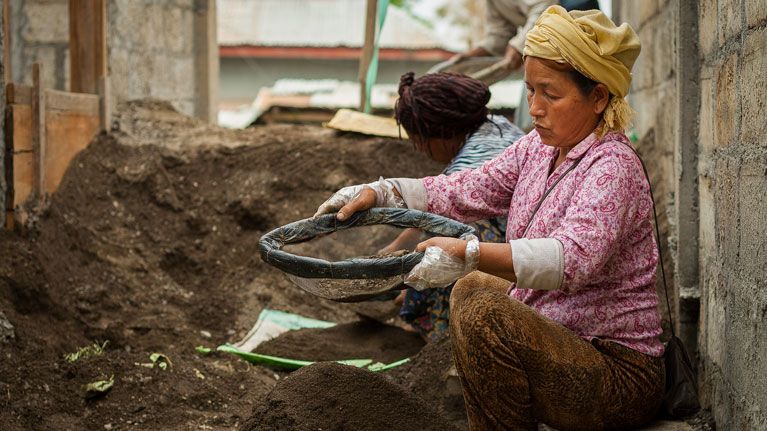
(21, 128)
(367, 47)
(67, 134)
(18, 93)
(87, 44)
(352, 121)
(87, 104)
(23, 177)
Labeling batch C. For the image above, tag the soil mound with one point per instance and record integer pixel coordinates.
(365, 339)
(330, 396)
(150, 242)
(430, 375)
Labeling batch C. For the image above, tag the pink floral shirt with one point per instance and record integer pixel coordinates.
(601, 214)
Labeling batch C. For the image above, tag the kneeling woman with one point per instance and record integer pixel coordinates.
(560, 324)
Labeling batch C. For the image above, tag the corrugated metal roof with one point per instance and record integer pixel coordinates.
(326, 23)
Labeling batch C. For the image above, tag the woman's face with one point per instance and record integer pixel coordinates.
(562, 115)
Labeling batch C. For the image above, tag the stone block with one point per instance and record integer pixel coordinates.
(157, 28)
(647, 9)
(726, 97)
(753, 75)
(753, 214)
(756, 12)
(729, 20)
(175, 34)
(664, 41)
(726, 193)
(47, 22)
(707, 27)
(642, 73)
(706, 116)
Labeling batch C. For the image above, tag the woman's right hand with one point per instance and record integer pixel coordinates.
(348, 201)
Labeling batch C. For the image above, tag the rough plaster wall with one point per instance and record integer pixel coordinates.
(733, 211)
(653, 95)
(150, 42)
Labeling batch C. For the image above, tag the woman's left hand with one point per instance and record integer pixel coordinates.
(453, 246)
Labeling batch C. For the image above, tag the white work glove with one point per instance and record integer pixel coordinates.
(383, 189)
(439, 268)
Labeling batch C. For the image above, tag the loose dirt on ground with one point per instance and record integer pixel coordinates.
(150, 243)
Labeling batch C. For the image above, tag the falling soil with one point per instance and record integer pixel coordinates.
(330, 396)
(365, 339)
(150, 242)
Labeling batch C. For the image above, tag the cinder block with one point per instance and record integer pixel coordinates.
(753, 86)
(756, 12)
(729, 20)
(47, 22)
(157, 27)
(664, 60)
(642, 73)
(727, 189)
(707, 27)
(647, 9)
(726, 102)
(706, 115)
(753, 214)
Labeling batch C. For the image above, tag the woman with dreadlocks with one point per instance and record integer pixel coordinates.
(446, 117)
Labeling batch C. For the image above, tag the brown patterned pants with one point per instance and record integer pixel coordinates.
(519, 368)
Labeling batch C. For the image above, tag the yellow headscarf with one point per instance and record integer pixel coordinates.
(591, 43)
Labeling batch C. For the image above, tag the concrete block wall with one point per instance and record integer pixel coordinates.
(720, 81)
(152, 47)
(732, 172)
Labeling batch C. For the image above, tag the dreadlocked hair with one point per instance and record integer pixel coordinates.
(441, 105)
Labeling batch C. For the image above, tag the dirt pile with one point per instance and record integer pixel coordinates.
(431, 376)
(151, 243)
(330, 396)
(364, 339)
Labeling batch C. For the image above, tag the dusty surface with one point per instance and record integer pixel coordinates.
(330, 396)
(150, 243)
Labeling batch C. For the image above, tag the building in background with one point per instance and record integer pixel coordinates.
(263, 41)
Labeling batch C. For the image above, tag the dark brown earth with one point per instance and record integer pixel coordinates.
(150, 243)
(330, 396)
(364, 339)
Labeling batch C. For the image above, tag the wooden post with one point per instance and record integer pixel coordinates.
(105, 107)
(38, 132)
(206, 61)
(367, 48)
(87, 44)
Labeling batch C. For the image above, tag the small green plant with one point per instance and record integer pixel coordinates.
(94, 349)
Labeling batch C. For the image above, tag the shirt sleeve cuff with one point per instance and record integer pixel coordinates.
(538, 263)
(413, 192)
